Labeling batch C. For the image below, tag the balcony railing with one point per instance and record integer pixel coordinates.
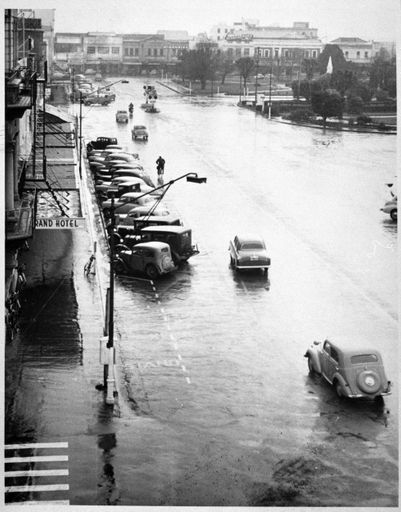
(20, 220)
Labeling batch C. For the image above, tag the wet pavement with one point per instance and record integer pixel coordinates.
(215, 403)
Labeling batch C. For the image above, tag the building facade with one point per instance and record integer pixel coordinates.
(355, 49)
(23, 68)
(110, 53)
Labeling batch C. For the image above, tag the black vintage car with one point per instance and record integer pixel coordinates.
(101, 143)
(179, 239)
(147, 220)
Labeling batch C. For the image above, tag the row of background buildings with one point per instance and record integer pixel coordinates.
(133, 54)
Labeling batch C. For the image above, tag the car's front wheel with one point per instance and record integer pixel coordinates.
(151, 271)
(338, 388)
(310, 365)
(119, 267)
(393, 214)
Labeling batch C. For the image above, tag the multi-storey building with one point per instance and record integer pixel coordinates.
(111, 53)
(388, 46)
(355, 49)
(280, 50)
(248, 39)
(23, 65)
(69, 51)
(102, 51)
(142, 52)
(48, 17)
(175, 42)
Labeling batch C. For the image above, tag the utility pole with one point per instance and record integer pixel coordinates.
(110, 306)
(256, 76)
(80, 135)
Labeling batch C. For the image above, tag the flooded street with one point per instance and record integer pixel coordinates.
(216, 405)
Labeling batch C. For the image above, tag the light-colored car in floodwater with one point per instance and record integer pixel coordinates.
(247, 252)
(355, 370)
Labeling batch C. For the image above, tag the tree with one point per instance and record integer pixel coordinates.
(245, 66)
(342, 80)
(383, 74)
(337, 58)
(327, 103)
(354, 104)
(360, 89)
(225, 65)
(302, 88)
(199, 64)
(309, 66)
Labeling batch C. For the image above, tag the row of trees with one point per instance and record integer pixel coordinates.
(208, 63)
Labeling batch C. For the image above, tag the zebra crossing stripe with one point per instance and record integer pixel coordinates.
(35, 458)
(37, 472)
(31, 473)
(35, 445)
(33, 488)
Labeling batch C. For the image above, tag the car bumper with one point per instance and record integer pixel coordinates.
(243, 266)
(385, 392)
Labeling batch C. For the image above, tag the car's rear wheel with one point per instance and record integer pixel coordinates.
(151, 271)
(393, 214)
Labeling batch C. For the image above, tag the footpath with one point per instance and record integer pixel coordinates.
(58, 431)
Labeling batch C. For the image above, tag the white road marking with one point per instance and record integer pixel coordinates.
(179, 357)
(37, 458)
(37, 472)
(188, 380)
(35, 445)
(184, 369)
(37, 488)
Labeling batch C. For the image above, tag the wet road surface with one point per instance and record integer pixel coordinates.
(216, 406)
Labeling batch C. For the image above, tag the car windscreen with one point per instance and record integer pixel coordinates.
(364, 358)
(249, 246)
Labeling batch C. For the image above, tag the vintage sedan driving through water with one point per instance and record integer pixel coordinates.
(248, 252)
(353, 369)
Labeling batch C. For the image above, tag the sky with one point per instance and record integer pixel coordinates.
(367, 19)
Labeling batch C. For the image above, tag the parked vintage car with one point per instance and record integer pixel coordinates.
(152, 258)
(178, 237)
(147, 220)
(122, 116)
(100, 143)
(391, 208)
(128, 219)
(97, 100)
(354, 370)
(127, 201)
(103, 186)
(248, 252)
(139, 131)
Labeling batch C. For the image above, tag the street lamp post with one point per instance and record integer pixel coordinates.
(108, 373)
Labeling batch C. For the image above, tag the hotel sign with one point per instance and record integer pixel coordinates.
(61, 223)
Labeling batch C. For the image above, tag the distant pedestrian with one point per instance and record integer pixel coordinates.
(160, 166)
